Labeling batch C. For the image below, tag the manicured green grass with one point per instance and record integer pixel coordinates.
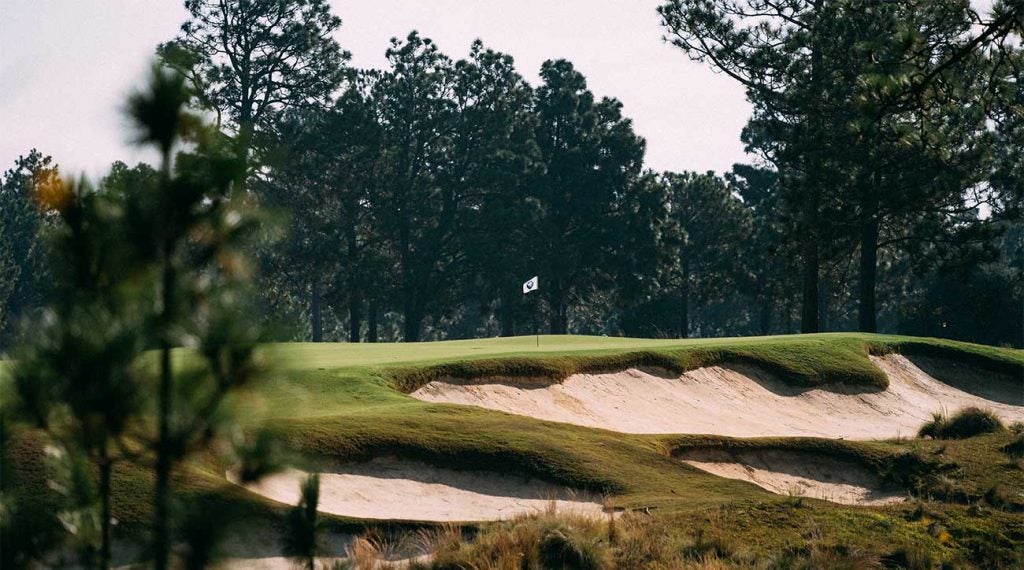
(342, 402)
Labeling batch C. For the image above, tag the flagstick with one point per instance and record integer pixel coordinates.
(529, 287)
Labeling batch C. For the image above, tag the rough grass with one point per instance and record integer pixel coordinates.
(637, 542)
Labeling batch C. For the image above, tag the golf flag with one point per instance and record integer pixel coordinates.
(530, 285)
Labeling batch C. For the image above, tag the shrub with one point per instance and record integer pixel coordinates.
(968, 422)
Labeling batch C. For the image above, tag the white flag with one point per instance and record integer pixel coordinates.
(530, 285)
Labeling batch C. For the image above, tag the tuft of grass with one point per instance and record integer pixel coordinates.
(935, 427)
(968, 422)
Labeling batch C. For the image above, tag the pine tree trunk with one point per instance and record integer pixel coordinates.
(809, 318)
(316, 312)
(558, 324)
(867, 311)
(161, 493)
(790, 321)
(765, 317)
(507, 318)
(684, 300)
(809, 301)
(413, 321)
(246, 132)
(823, 295)
(355, 317)
(371, 324)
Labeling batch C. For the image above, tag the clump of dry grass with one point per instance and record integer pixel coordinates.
(545, 540)
(373, 552)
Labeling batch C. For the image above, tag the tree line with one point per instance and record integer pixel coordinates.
(885, 194)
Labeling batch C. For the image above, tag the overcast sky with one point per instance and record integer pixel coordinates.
(66, 66)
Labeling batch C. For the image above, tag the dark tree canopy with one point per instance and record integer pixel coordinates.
(249, 59)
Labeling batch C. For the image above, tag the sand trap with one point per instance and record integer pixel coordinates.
(736, 401)
(796, 473)
(1001, 388)
(388, 488)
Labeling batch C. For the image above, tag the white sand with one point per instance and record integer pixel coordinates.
(388, 488)
(796, 473)
(736, 401)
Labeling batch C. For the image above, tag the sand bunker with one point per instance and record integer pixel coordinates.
(736, 401)
(796, 473)
(388, 488)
